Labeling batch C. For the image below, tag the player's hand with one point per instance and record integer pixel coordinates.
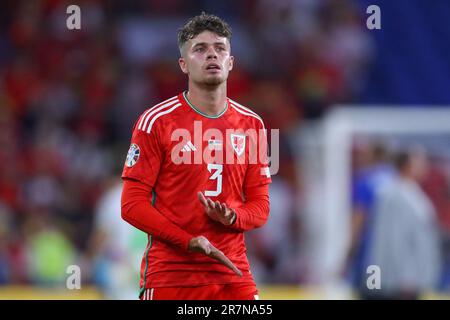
(217, 211)
(202, 245)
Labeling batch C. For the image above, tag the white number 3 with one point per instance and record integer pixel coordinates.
(216, 175)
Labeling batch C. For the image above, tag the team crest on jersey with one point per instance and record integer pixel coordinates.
(133, 155)
(238, 143)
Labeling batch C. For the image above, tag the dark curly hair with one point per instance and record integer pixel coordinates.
(200, 23)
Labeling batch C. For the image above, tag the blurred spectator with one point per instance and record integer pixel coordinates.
(372, 176)
(115, 248)
(49, 250)
(406, 243)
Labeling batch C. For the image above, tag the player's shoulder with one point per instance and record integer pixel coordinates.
(245, 112)
(151, 116)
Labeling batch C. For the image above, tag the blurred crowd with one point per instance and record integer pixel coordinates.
(69, 98)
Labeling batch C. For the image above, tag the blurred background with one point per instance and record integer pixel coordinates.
(364, 141)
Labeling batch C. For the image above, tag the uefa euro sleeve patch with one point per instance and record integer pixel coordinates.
(133, 155)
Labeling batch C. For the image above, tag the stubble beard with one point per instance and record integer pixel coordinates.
(209, 82)
(213, 81)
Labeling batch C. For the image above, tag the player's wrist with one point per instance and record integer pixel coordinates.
(233, 218)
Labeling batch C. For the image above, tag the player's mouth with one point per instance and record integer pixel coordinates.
(213, 67)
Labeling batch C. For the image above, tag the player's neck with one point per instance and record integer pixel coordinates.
(210, 102)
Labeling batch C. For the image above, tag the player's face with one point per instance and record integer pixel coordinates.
(419, 165)
(206, 59)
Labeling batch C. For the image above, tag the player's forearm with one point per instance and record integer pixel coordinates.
(138, 211)
(255, 212)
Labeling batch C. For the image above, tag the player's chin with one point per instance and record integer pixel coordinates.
(213, 80)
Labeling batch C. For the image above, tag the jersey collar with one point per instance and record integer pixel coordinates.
(201, 113)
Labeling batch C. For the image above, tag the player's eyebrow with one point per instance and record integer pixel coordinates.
(205, 44)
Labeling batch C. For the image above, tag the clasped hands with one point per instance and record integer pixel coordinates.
(221, 213)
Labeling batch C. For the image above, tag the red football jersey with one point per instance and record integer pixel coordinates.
(177, 150)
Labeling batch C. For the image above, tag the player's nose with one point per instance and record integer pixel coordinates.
(211, 53)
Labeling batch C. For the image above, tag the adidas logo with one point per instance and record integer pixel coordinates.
(189, 147)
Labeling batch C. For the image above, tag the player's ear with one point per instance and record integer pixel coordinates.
(183, 65)
(231, 63)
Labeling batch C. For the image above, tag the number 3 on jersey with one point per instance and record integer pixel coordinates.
(216, 175)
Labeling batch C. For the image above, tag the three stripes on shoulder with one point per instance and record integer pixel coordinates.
(149, 117)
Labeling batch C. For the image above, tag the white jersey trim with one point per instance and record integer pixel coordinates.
(145, 116)
(161, 114)
(249, 113)
(244, 108)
